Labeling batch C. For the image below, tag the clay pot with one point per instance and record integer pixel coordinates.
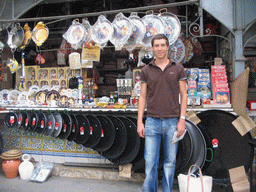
(11, 167)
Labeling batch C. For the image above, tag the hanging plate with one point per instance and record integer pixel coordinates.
(177, 51)
(23, 97)
(173, 26)
(154, 25)
(13, 96)
(51, 96)
(40, 33)
(40, 97)
(102, 30)
(122, 30)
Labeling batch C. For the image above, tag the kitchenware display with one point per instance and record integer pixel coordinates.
(40, 33)
(133, 143)
(52, 97)
(177, 51)
(95, 131)
(154, 25)
(13, 97)
(27, 36)
(11, 120)
(107, 134)
(66, 127)
(75, 34)
(42, 123)
(120, 139)
(41, 97)
(123, 28)
(102, 30)
(34, 122)
(15, 36)
(138, 32)
(84, 129)
(58, 124)
(50, 124)
(74, 129)
(173, 26)
(227, 148)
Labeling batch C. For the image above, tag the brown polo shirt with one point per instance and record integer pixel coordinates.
(163, 89)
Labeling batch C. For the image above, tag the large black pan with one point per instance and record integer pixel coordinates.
(133, 143)
(11, 120)
(42, 123)
(120, 139)
(74, 128)
(84, 129)
(232, 150)
(108, 134)
(67, 126)
(95, 131)
(58, 124)
(34, 122)
(27, 121)
(50, 124)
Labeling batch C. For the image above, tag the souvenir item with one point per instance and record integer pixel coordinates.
(173, 26)
(63, 101)
(32, 92)
(21, 119)
(26, 167)
(23, 97)
(40, 33)
(102, 31)
(74, 129)
(41, 97)
(87, 26)
(27, 121)
(15, 37)
(122, 30)
(13, 96)
(154, 25)
(46, 88)
(13, 65)
(52, 97)
(27, 36)
(188, 50)
(75, 34)
(39, 59)
(74, 60)
(4, 95)
(138, 32)
(22, 86)
(42, 171)
(177, 51)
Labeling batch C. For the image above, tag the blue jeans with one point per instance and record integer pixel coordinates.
(154, 129)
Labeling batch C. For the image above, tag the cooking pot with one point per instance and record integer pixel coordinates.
(95, 131)
(67, 126)
(74, 128)
(50, 124)
(107, 134)
(133, 143)
(42, 123)
(120, 139)
(58, 124)
(227, 148)
(15, 36)
(84, 129)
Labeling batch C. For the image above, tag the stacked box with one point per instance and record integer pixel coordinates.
(204, 84)
(192, 77)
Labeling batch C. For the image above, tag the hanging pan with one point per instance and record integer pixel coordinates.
(66, 127)
(107, 134)
(120, 139)
(42, 123)
(74, 129)
(50, 124)
(15, 36)
(34, 122)
(133, 143)
(95, 131)
(58, 124)
(27, 121)
(21, 119)
(11, 120)
(84, 129)
(227, 148)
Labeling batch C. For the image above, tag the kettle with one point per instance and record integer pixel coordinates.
(26, 167)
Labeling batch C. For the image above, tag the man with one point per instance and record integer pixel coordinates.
(162, 80)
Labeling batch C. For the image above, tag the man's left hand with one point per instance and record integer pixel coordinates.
(180, 127)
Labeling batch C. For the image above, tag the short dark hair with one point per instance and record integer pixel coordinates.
(160, 36)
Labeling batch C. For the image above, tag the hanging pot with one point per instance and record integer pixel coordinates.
(120, 139)
(84, 129)
(15, 36)
(95, 131)
(11, 120)
(66, 127)
(74, 129)
(107, 134)
(50, 124)
(42, 123)
(34, 122)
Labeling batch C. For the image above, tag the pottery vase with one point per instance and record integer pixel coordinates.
(11, 167)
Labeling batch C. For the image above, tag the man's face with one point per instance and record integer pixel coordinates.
(160, 48)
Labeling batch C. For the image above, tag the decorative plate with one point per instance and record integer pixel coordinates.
(46, 87)
(40, 33)
(138, 31)
(188, 50)
(13, 95)
(154, 25)
(75, 33)
(32, 92)
(4, 95)
(63, 101)
(87, 26)
(52, 95)
(23, 97)
(40, 97)
(177, 51)
(173, 26)
(122, 30)
(102, 30)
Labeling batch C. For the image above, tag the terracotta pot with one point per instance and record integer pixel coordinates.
(11, 167)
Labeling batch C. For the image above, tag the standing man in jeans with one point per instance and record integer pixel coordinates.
(162, 80)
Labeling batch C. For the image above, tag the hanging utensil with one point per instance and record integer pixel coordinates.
(27, 36)
(40, 33)
(15, 37)
(22, 86)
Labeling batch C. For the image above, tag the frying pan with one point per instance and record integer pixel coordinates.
(107, 135)
(58, 124)
(27, 121)
(232, 150)
(120, 139)
(11, 120)
(95, 131)
(50, 124)
(34, 122)
(67, 125)
(84, 129)
(74, 128)
(21, 119)
(42, 123)
(133, 143)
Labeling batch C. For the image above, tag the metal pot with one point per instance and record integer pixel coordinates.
(15, 36)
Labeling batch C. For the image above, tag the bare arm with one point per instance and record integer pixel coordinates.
(183, 94)
(141, 109)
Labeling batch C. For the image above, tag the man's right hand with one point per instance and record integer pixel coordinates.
(141, 130)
